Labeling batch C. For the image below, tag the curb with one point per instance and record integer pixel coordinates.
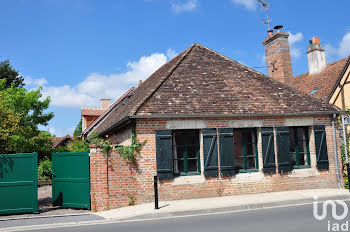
(44, 216)
(304, 201)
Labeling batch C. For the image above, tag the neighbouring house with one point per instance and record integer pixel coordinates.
(327, 82)
(61, 141)
(96, 121)
(90, 114)
(215, 127)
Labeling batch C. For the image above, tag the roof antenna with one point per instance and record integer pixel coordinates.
(267, 7)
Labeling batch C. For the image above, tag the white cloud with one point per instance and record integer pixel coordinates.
(340, 51)
(249, 4)
(295, 52)
(52, 130)
(170, 53)
(35, 82)
(180, 7)
(96, 86)
(293, 38)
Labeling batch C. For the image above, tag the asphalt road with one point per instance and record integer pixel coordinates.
(293, 218)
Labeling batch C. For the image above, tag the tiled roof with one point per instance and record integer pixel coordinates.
(200, 81)
(321, 85)
(58, 141)
(92, 111)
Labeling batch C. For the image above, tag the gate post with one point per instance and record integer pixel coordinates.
(98, 179)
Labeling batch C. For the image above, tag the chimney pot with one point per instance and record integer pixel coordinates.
(270, 33)
(140, 82)
(316, 56)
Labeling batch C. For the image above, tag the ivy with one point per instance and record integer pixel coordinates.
(104, 144)
(128, 153)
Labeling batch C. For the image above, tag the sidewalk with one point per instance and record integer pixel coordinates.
(223, 204)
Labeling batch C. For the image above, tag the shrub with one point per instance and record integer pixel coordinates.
(45, 170)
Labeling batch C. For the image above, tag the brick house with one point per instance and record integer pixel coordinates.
(214, 127)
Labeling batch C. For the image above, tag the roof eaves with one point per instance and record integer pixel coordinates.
(239, 115)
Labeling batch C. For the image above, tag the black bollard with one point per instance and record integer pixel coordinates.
(156, 192)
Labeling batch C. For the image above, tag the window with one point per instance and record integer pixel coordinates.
(245, 150)
(299, 147)
(186, 152)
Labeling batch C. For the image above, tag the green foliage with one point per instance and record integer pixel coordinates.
(62, 149)
(128, 153)
(45, 170)
(9, 125)
(79, 129)
(104, 144)
(78, 146)
(22, 113)
(8, 73)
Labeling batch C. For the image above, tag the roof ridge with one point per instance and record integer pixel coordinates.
(162, 80)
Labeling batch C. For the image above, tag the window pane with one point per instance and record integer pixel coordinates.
(192, 165)
(181, 165)
(178, 166)
(302, 140)
(179, 138)
(179, 153)
(251, 162)
(303, 159)
(192, 152)
(193, 138)
(237, 137)
(292, 140)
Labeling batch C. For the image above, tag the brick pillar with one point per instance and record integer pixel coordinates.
(98, 179)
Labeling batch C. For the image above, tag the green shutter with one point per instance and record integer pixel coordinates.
(164, 154)
(321, 147)
(268, 149)
(283, 149)
(227, 166)
(210, 152)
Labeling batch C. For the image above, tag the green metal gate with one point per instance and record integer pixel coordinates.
(71, 179)
(18, 183)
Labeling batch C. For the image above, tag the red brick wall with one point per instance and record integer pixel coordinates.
(138, 181)
(278, 61)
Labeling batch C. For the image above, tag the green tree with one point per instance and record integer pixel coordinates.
(9, 125)
(10, 74)
(30, 109)
(79, 129)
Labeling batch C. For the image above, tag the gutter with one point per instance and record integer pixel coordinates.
(334, 119)
(237, 115)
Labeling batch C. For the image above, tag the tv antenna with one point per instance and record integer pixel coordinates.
(267, 7)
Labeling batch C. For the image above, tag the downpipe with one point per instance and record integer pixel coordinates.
(336, 151)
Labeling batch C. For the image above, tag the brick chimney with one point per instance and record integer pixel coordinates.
(277, 54)
(316, 56)
(105, 103)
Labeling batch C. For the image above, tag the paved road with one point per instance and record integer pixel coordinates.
(294, 218)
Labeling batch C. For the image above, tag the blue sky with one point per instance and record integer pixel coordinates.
(84, 50)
